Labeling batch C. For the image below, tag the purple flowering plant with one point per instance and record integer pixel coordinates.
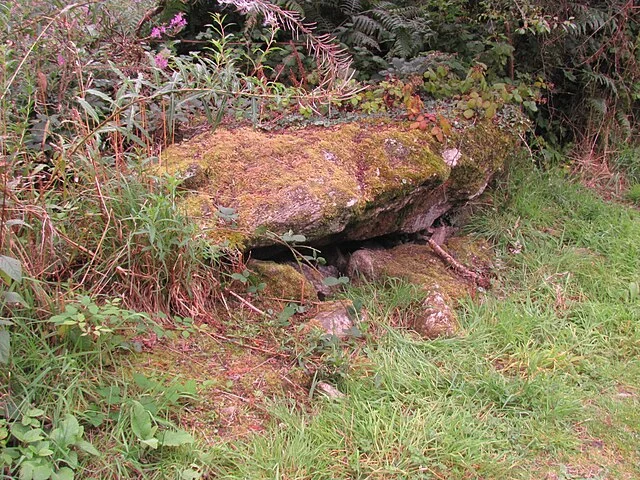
(177, 23)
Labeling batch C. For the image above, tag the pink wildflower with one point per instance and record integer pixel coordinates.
(155, 32)
(60, 59)
(178, 21)
(161, 62)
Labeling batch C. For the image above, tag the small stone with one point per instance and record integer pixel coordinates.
(451, 156)
(437, 320)
(335, 319)
(362, 263)
(329, 390)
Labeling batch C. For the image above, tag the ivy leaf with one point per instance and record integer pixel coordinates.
(468, 113)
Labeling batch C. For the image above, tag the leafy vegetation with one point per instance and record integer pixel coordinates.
(98, 263)
(586, 55)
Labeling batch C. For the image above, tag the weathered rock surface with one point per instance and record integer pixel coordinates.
(347, 182)
(418, 264)
(316, 276)
(335, 318)
(437, 319)
(412, 262)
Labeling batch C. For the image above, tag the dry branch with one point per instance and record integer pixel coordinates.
(456, 266)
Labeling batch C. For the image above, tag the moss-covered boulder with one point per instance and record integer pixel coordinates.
(418, 264)
(347, 182)
(283, 281)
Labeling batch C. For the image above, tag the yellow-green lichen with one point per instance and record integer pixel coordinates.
(335, 171)
(283, 281)
(321, 181)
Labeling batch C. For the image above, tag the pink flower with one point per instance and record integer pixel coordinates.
(178, 21)
(60, 59)
(161, 62)
(155, 32)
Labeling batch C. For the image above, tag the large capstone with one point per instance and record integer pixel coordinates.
(347, 182)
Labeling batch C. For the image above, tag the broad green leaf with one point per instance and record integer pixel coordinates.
(35, 470)
(190, 474)
(226, 211)
(11, 268)
(287, 312)
(333, 281)
(68, 433)
(16, 221)
(290, 237)
(65, 473)
(87, 447)
(13, 297)
(88, 109)
(42, 472)
(176, 438)
(239, 277)
(33, 436)
(468, 113)
(151, 442)
(141, 422)
(45, 452)
(5, 346)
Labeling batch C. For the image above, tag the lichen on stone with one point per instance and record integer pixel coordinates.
(347, 182)
(283, 281)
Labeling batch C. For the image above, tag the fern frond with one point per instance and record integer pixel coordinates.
(334, 63)
(366, 25)
(350, 7)
(602, 80)
(624, 124)
(360, 39)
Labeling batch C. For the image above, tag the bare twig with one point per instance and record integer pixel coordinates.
(459, 268)
(248, 304)
(154, 12)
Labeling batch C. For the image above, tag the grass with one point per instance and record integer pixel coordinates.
(541, 383)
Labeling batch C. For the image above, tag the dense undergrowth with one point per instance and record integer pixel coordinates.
(97, 261)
